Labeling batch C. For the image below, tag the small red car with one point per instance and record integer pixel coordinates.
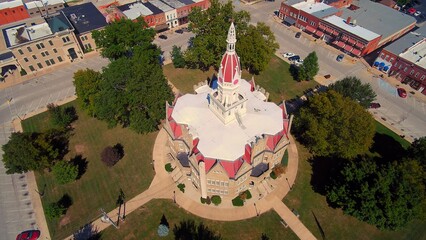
(402, 93)
(28, 235)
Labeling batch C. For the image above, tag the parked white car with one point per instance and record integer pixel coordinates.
(289, 54)
(298, 62)
(417, 13)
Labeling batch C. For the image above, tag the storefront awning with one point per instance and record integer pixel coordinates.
(289, 21)
(359, 45)
(339, 44)
(310, 29)
(335, 33)
(344, 38)
(348, 48)
(319, 33)
(356, 52)
(322, 27)
(351, 41)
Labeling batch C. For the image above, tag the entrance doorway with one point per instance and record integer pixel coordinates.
(72, 54)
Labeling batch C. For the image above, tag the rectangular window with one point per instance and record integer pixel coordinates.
(42, 45)
(209, 182)
(42, 54)
(391, 60)
(34, 57)
(60, 59)
(217, 183)
(411, 72)
(55, 51)
(39, 65)
(26, 59)
(20, 51)
(50, 42)
(52, 61)
(405, 69)
(47, 53)
(66, 39)
(38, 46)
(221, 183)
(31, 68)
(47, 63)
(417, 74)
(396, 64)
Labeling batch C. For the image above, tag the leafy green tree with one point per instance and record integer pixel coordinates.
(123, 37)
(177, 57)
(61, 117)
(352, 88)
(31, 151)
(309, 68)
(86, 84)
(256, 46)
(417, 150)
(332, 125)
(187, 229)
(133, 92)
(385, 194)
(64, 172)
(54, 211)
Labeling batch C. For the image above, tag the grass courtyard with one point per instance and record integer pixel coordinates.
(99, 186)
(276, 79)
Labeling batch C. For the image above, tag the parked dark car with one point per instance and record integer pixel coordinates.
(375, 105)
(179, 31)
(162, 36)
(294, 58)
(28, 235)
(298, 34)
(340, 57)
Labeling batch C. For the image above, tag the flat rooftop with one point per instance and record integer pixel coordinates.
(40, 4)
(416, 54)
(378, 18)
(161, 5)
(227, 142)
(85, 17)
(407, 41)
(354, 29)
(21, 33)
(135, 10)
(176, 4)
(10, 4)
(311, 7)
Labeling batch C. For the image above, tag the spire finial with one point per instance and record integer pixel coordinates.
(231, 39)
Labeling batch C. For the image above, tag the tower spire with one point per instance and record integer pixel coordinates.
(231, 39)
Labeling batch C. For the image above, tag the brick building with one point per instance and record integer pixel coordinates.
(356, 27)
(12, 11)
(44, 8)
(227, 139)
(405, 59)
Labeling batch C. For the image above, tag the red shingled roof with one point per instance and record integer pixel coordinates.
(176, 128)
(231, 167)
(247, 154)
(230, 65)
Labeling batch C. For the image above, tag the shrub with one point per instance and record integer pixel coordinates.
(181, 187)
(216, 200)
(238, 202)
(111, 155)
(248, 194)
(168, 167)
(284, 160)
(208, 200)
(279, 170)
(202, 200)
(64, 172)
(272, 175)
(23, 72)
(54, 211)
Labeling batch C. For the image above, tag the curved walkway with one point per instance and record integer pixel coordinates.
(163, 187)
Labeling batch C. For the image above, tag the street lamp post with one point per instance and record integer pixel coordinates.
(255, 208)
(288, 183)
(174, 196)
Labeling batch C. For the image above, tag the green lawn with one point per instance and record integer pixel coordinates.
(143, 224)
(333, 222)
(276, 79)
(99, 186)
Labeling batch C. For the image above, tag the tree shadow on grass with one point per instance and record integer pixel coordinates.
(387, 147)
(323, 170)
(120, 149)
(164, 221)
(65, 201)
(81, 164)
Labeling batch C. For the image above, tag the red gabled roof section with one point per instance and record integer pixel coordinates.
(286, 123)
(232, 167)
(176, 128)
(247, 154)
(195, 144)
(282, 106)
(199, 157)
(209, 163)
(230, 66)
(272, 141)
(169, 112)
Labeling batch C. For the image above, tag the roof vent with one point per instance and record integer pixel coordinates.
(73, 16)
(354, 22)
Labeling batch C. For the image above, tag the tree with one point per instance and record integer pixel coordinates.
(110, 156)
(417, 150)
(177, 57)
(332, 125)
(384, 193)
(309, 68)
(352, 88)
(60, 116)
(121, 38)
(30, 151)
(64, 172)
(54, 211)
(256, 46)
(133, 92)
(86, 84)
(187, 229)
